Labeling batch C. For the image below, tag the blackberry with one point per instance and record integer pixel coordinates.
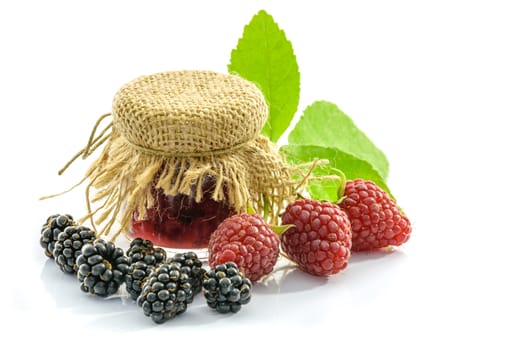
(143, 250)
(166, 293)
(51, 229)
(226, 289)
(101, 268)
(191, 265)
(144, 258)
(135, 278)
(69, 246)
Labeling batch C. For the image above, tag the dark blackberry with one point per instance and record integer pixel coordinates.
(144, 258)
(101, 268)
(54, 225)
(226, 289)
(136, 277)
(143, 250)
(69, 246)
(166, 293)
(191, 265)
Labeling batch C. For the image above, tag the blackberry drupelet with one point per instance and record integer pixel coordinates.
(226, 289)
(54, 225)
(143, 250)
(101, 268)
(166, 293)
(69, 246)
(191, 265)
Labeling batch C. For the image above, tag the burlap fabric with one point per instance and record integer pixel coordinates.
(173, 130)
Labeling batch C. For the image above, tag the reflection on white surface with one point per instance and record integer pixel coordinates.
(64, 289)
(281, 294)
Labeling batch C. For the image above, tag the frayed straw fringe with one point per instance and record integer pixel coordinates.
(175, 130)
(121, 181)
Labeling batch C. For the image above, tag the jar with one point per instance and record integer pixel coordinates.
(179, 221)
(182, 152)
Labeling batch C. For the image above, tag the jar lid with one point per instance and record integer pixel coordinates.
(186, 112)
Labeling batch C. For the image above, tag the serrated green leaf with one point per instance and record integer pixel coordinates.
(324, 124)
(264, 56)
(350, 165)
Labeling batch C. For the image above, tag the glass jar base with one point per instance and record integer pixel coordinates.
(201, 252)
(178, 223)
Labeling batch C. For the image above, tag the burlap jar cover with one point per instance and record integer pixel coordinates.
(174, 130)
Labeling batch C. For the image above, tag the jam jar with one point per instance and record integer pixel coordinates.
(179, 221)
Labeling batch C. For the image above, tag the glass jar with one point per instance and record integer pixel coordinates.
(179, 222)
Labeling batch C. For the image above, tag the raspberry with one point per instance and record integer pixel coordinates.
(376, 221)
(248, 241)
(320, 240)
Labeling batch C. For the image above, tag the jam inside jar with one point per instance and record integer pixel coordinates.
(179, 222)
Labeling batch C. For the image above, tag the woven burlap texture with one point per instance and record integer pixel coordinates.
(174, 130)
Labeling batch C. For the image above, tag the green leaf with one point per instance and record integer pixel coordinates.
(350, 165)
(264, 56)
(324, 124)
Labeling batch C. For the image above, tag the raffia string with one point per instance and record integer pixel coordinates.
(174, 131)
(92, 144)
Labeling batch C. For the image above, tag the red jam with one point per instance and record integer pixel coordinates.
(180, 222)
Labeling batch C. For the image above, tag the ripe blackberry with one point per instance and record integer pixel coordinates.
(69, 246)
(166, 293)
(226, 289)
(51, 229)
(101, 268)
(136, 277)
(144, 250)
(144, 258)
(191, 264)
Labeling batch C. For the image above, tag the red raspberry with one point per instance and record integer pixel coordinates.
(247, 240)
(376, 220)
(320, 240)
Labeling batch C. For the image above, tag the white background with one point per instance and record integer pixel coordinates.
(438, 85)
